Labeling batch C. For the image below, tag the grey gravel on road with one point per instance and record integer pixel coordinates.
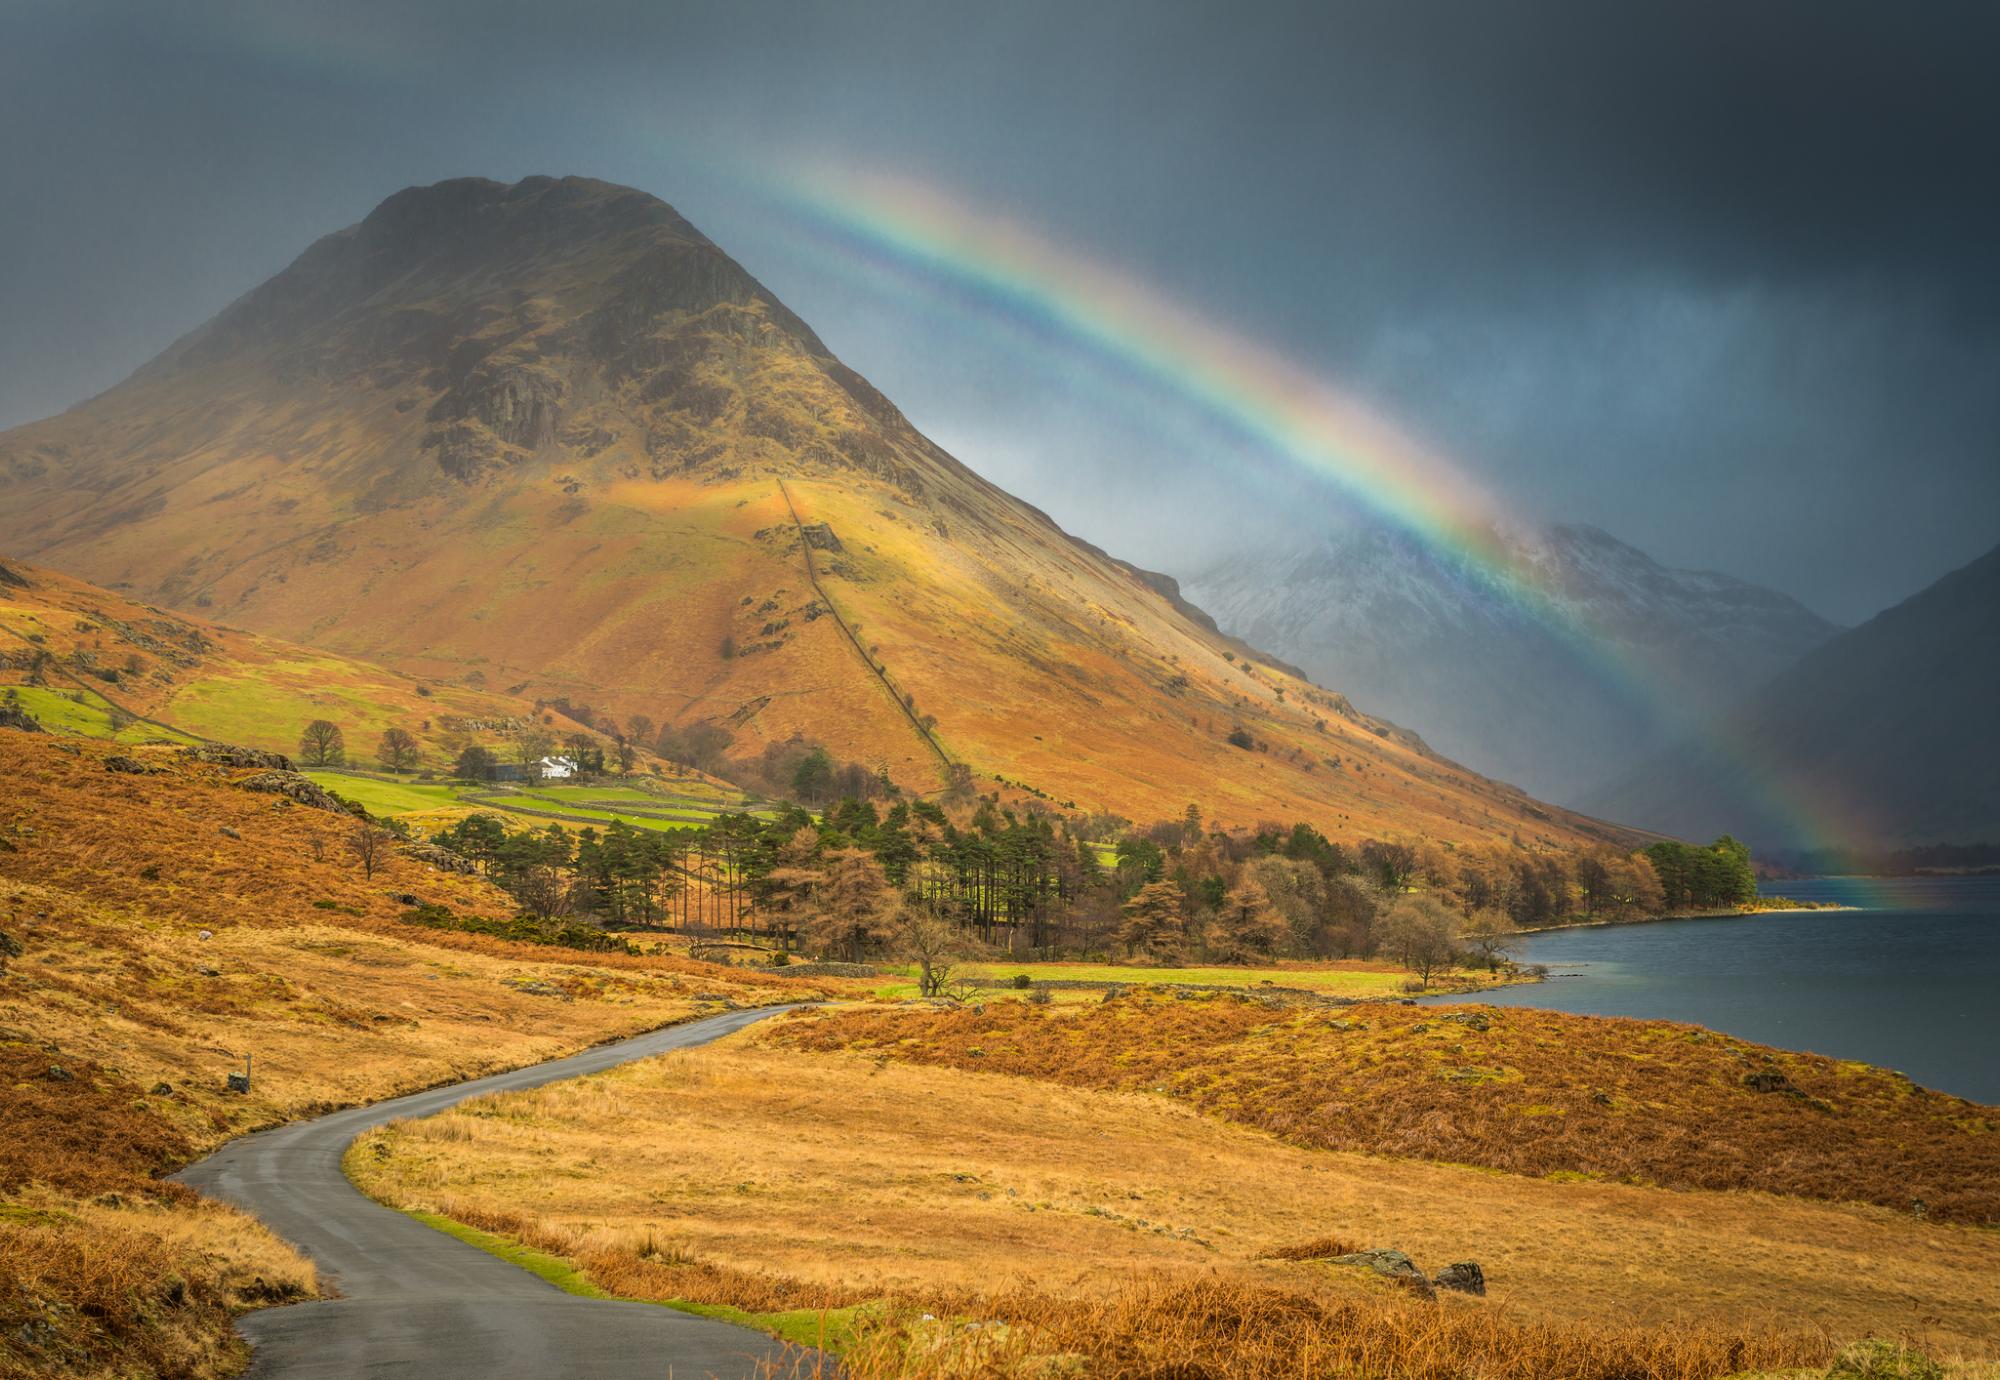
(415, 1302)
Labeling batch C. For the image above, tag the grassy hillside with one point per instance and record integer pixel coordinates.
(168, 924)
(1530, 1092)
(86, 661)
(1141, 1238)
(549, 439)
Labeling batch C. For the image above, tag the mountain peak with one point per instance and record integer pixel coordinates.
(546, 436)
(477, 211)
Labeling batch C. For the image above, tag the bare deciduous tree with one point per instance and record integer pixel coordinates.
(1423, 932)
(369, 844)
(932, 943)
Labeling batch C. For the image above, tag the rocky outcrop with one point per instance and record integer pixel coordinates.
(230, 755)
(294, 788)
(438, 856)
(521, 404)
(15, 717)
(132, 766)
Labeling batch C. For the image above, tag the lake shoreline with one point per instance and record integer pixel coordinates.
(1722, 913)
(1899, 975)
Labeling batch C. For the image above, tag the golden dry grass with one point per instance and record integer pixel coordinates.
(1531, 1092)
(752, 1174)
(134, 1284)
(158, 950)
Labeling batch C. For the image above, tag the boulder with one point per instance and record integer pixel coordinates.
(1464, 1277)
(1767, 1081)
(13, 716)
(1393, 1266)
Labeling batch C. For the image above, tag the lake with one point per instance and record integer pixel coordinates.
(1910, 982)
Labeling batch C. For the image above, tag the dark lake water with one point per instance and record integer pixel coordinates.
(1911, 981)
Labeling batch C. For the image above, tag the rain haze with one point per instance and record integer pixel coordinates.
(1719, 279)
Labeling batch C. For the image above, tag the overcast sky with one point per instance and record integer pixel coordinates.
(1720, 278)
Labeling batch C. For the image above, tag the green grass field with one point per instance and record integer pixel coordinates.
(86, 714)
(525, 807)
(269, 707)
(388, 797)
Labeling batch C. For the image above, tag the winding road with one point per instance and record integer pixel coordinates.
(415, 1302)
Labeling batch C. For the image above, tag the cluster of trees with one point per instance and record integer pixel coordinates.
(324, 744)
(1703, 878)
(857, 880)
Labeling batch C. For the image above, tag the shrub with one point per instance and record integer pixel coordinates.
(522, 929)
(1875, 1359)
(1023, 981)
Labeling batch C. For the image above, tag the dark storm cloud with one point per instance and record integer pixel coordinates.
(1720, 277)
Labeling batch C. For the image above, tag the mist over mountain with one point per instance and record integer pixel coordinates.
(1883, 737)
(548, 438)
(1557, 699)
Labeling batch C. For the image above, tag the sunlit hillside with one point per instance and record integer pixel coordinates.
(90, 661)
(548, 439)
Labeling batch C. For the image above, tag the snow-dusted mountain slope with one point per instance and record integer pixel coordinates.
(1556, 699)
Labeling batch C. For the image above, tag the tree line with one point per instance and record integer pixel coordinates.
(859, 878)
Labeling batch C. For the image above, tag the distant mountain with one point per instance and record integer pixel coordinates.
(550, 439)
(1393, 622)
(1883, 737)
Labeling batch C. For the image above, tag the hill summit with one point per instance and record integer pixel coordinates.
(547, 438)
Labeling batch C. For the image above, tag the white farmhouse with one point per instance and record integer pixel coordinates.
(557, 768)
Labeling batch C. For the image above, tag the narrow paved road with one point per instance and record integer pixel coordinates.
(416, 1303)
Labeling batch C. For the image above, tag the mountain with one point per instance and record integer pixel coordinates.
(548, 438)
(85, 660)
(1882, 737)
(1557, 705)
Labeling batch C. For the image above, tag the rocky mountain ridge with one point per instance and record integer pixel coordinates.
(1556, 697)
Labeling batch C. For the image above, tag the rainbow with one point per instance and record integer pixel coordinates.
(929, 238)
